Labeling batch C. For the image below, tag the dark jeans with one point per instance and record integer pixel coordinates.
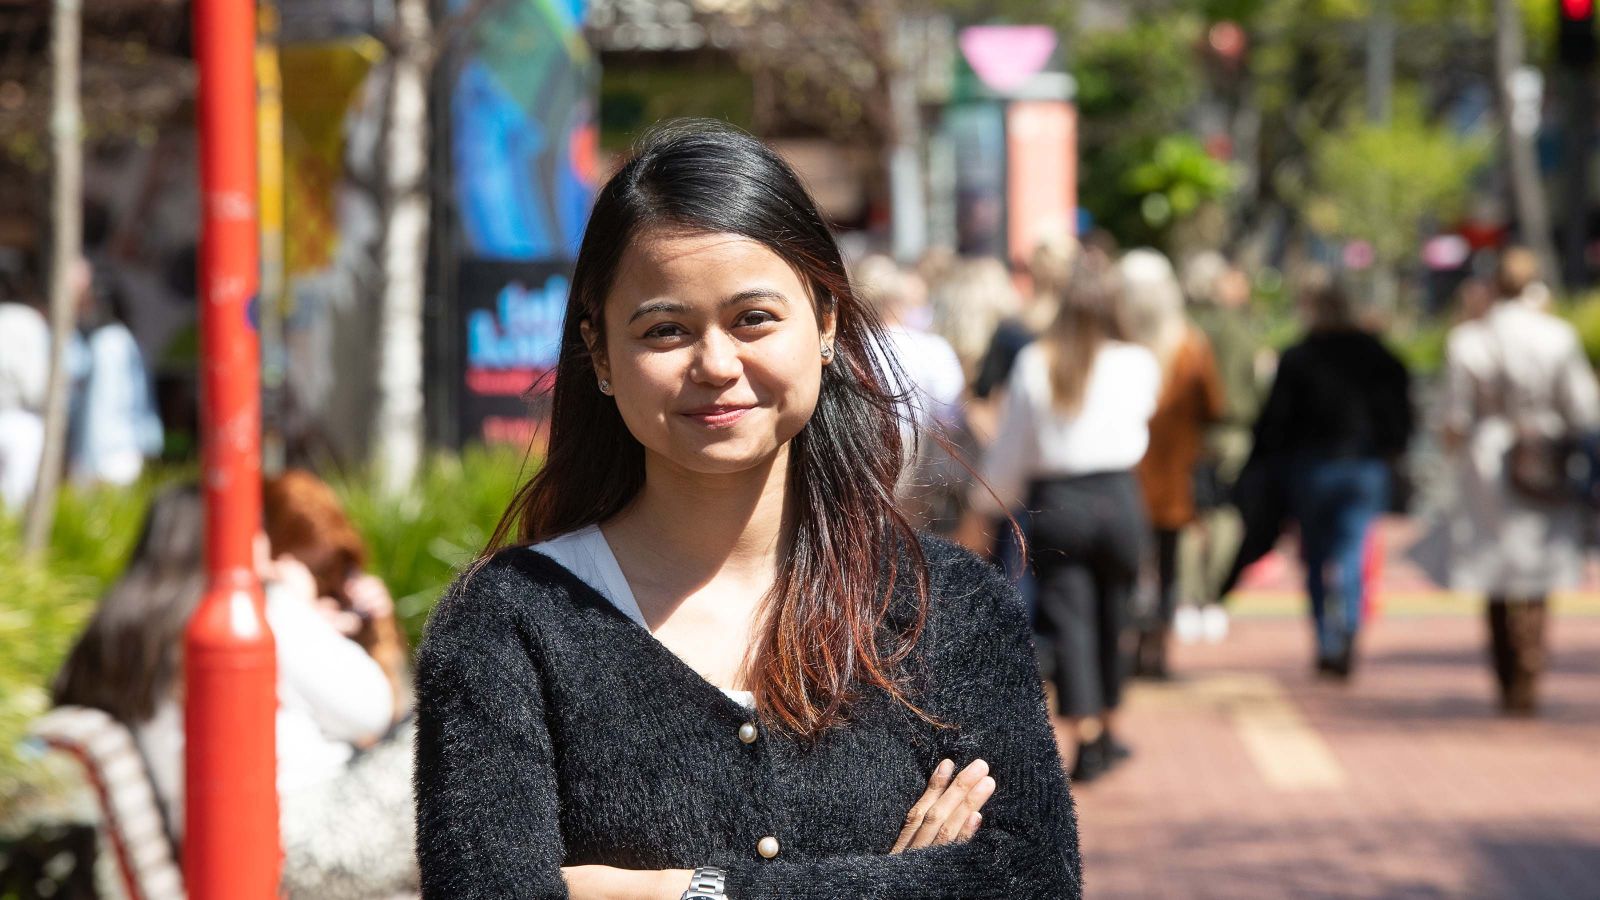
(1088, 533)
(1335, 502)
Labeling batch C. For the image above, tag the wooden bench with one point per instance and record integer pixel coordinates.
(131, 824)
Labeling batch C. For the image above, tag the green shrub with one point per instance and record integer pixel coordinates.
(419, 541)
(1583, 312)
(43, 605)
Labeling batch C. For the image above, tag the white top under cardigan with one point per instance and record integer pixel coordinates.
(586, 554)
(1108, 432)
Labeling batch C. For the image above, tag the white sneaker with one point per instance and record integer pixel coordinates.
(1186, 624)
(1214, 624)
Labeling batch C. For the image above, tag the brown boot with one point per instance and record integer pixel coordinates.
(1150, 655)
(1525, 629)
(1500, 650)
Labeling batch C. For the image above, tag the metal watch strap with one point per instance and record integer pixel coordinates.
(708, 881)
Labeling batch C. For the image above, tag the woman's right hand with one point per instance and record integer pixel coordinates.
(948, 811)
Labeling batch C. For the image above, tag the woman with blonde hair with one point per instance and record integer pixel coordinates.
(970, 304)
(1191, 399)
(1073, 427)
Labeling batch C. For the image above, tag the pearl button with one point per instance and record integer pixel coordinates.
(767, 847)
(748, 733)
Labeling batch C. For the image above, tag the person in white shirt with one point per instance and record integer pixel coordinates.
(343, 771)
(921, 368)
(925, 369)
(1073, 427)
(24, 375)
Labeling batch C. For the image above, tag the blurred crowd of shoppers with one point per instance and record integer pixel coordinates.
(112, 426)
(1148, 445)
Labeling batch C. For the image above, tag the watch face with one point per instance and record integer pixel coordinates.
(701, 897)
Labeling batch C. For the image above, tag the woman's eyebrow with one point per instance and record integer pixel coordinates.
(657, 306)
(756, 294)
(675, 306)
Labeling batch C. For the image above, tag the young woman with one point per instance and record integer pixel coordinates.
(715, 661)
(1075, 423)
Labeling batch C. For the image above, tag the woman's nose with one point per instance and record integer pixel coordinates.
(716, 358)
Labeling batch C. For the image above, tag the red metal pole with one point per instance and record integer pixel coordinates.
(230, 846)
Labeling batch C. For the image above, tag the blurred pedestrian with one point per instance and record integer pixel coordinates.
(345, 817)
(1518, 389)
(114, 427)
(922, 368)
(1337, 419)
(1219, 303)
(305, 521)
(1074, 426)
(1049, 269)
(1190, 399)
(967, 308)
(24, 378)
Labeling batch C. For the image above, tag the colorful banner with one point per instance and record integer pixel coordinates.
(524, 138)
(511, 313)
(524, 153)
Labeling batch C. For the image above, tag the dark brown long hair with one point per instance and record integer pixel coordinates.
(820, 635)
(128, 657)
(1088, 317)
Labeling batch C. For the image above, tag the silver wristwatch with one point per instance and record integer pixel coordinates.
(708, 883)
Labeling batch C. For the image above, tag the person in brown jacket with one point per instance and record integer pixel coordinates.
(1191, 399)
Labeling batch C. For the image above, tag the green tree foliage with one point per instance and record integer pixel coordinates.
(1135, 88)
(1175, 180)
(1383, 183)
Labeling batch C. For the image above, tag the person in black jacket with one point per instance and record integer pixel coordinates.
(1337, 419)
(705, 655)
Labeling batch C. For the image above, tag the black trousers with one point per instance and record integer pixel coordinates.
(1087, 537)
(1166, 579)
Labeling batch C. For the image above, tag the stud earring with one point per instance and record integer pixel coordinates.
(827, 352)
(605, 387)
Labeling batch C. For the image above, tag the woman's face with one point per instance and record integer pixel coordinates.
(713, 349)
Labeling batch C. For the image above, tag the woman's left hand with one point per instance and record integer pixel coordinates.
(609, 883)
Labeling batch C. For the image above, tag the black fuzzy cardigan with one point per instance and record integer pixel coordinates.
(555, 731)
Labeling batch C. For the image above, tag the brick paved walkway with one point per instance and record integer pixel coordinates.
(1252, 779)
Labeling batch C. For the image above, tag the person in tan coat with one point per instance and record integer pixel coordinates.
(1191, 399)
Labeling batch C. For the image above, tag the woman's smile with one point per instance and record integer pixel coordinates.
(718, 415)
(711, 349)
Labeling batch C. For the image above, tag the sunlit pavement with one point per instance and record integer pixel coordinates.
(1253, 779)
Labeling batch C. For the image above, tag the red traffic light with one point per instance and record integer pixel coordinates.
(1577, 10)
